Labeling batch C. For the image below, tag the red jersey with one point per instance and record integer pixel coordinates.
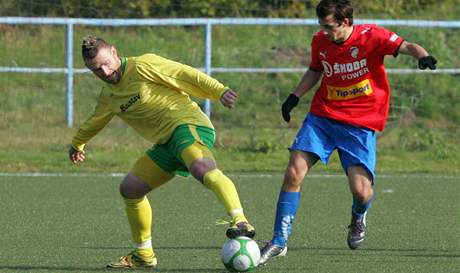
(354, 88)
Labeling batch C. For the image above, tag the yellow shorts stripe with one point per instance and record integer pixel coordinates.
(194, 133)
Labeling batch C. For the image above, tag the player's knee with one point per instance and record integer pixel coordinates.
(124, 189)
(133, 188)
(294, 176)
(127, 191)
(363, 194)
(200, 167)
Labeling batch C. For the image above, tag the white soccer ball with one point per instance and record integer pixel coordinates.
(241, 254)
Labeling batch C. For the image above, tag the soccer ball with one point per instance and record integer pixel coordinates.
(241, 254)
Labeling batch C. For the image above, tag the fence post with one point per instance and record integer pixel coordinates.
(69, 76)
(207, 61)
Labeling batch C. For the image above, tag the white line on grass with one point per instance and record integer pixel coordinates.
(248, 175)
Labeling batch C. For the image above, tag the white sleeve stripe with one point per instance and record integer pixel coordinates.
(393, 37)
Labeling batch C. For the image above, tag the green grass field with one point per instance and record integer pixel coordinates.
(75, 223)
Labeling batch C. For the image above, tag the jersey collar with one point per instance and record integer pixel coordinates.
(123, 65)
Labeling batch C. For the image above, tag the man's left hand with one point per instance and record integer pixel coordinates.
(228, 99)
(427, 61)
(76, 156)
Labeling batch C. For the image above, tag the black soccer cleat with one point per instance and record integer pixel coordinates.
(241, 229)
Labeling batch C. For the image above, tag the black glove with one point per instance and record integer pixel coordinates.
(291, 102)
(427, 61)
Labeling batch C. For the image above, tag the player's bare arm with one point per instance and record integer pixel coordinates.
(228, 99)
(76, 156)
(419, 53)
(309, 79)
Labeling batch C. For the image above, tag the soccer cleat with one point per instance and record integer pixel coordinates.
(134, 260)
(241, 229)
(270, 251)
(356, 232)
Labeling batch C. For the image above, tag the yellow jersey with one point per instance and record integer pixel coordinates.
(152, 97)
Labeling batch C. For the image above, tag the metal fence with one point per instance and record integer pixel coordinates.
(207, 23)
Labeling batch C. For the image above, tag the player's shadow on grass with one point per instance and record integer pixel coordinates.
(409, 252)
(158, 247)
(324, 251)
(51, 268)
(102, 269)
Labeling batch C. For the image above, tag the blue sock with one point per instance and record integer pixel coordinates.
(359, 209)
(288, 202)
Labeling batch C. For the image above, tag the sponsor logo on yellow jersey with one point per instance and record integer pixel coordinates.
(131, 101)
(362, 88)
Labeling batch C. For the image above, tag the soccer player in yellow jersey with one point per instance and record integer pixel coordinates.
(151, 94)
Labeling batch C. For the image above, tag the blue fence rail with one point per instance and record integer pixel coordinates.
(207, 23)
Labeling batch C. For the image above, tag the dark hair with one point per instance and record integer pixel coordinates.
(91, 46)
(340, 9)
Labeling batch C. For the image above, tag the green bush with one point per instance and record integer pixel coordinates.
(223, 8)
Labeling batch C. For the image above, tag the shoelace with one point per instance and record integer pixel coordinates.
(357, 227)
(222, 222)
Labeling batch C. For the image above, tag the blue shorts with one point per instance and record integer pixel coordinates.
(321, 136)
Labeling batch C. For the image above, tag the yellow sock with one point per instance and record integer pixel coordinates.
(226, 192)
(140, 220)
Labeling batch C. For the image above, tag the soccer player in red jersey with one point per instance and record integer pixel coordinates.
(351, 103)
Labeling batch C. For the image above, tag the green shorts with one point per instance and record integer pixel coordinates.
(168, 155)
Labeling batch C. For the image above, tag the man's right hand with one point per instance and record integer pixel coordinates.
(75, 155)
(427, 61)
(291, 102)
